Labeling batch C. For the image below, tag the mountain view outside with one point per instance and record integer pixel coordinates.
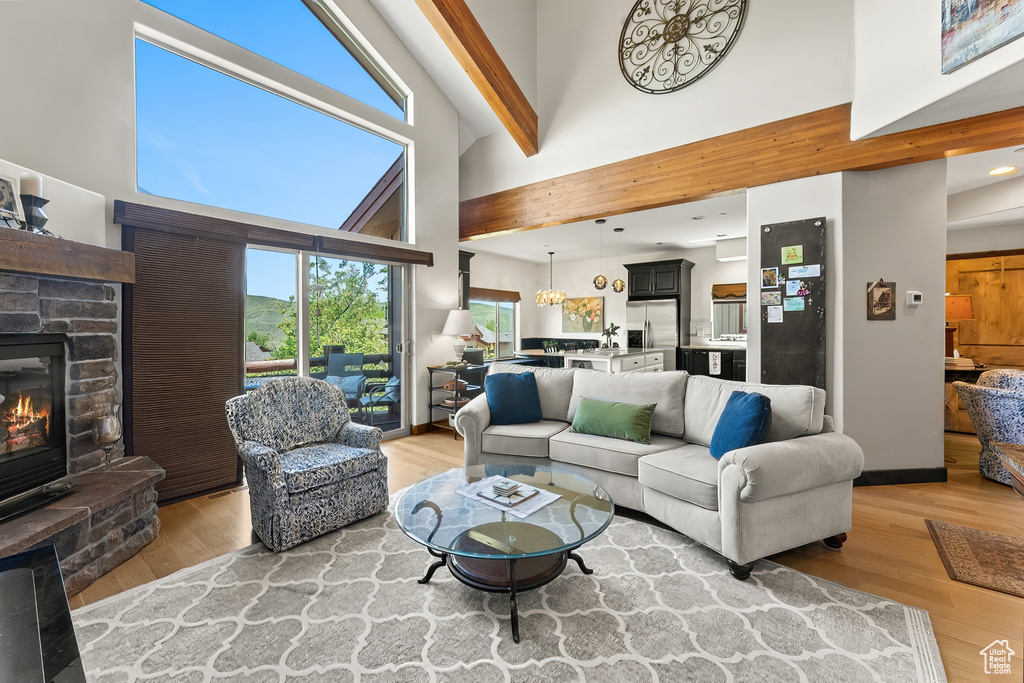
(495, 324)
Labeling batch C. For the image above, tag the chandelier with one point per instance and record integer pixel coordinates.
(618, 285)
(550, 296)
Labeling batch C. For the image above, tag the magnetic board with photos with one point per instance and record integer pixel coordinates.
(792, 306)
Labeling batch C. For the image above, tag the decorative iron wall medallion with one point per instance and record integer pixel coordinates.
(669, 44)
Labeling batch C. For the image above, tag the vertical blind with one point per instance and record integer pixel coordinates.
(183, 329)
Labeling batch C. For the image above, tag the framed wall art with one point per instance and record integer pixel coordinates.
(881, 300)
(972, 28)
(585, 314)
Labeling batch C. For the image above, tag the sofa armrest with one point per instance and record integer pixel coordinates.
(470, 421)
(778, 468)
(361, 436)
(262, 463)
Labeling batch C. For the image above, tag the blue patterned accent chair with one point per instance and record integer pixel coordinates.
(310, 469)
(996, 407)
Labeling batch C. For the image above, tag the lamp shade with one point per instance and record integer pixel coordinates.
(959, 307)
(459, 324)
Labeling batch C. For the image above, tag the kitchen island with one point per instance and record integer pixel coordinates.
(608, 360)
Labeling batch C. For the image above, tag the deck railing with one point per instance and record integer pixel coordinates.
(265, 366)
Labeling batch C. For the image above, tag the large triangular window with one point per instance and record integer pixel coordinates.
(302, 36)
(212, 133)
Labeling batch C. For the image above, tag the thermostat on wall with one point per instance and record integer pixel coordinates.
(914, 298)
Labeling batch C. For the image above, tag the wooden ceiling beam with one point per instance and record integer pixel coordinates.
(459, 29)
(798, 147)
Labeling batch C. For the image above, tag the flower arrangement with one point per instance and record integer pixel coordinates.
(611, 331)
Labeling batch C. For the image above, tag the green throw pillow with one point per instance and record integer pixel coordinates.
(630, 421)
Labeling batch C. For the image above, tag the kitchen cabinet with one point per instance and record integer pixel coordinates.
(659, 278)
(652, 360)
(697, 361)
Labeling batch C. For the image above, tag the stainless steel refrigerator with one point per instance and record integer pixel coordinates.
(654, 325)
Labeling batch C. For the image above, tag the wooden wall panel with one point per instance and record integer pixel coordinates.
(797, 147)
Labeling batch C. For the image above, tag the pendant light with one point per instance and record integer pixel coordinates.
(550, 296)
(618, 285)
(600, 282)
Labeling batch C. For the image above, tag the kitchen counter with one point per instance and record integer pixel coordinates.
(540, 353)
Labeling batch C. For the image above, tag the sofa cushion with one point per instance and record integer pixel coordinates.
(666, 389)
(602, 453)
(797, 410)
(512, 398)
(314, 466)
(629, 421)
(524, 439)
(744, 422)
(553, 384)
(689, 473)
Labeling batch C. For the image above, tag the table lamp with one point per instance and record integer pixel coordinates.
(959, 307)
(459, 324)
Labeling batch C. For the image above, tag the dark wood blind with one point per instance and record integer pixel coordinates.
(493, 294)
(183, 347)
(733, 291)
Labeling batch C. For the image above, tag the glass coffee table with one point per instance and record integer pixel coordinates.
(493, 550)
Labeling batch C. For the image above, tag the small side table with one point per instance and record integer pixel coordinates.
(456, 397)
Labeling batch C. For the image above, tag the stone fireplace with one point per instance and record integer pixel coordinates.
(72, 377)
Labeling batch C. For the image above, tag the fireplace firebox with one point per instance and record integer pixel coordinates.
(33, 439)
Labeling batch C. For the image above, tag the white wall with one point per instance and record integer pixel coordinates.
(75, 64)
(899, 67)
(883, 378)
(792, 56)
(998, 238)
(512, 29)
(72, 212)
(894, 225)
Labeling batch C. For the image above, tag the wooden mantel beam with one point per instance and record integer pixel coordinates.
(455, 23)
(810, 144)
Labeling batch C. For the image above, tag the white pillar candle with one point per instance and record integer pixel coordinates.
(32, 183)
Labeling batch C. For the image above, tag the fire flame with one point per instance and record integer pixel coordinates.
(24, 412)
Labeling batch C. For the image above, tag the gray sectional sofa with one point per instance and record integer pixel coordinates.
(793, 489)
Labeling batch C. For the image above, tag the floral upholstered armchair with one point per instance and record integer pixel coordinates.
(996, 407)
(310, 469)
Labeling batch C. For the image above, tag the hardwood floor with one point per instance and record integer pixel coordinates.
(889, 551)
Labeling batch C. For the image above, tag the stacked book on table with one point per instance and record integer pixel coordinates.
(957, 363)
(511, 496)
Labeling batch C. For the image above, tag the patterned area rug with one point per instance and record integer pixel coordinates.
(980, 558)
(347, 607)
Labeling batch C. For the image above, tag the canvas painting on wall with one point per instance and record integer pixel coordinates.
(972, 28)
(583, 315)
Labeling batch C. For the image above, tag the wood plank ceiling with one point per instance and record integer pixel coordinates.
(798, 147)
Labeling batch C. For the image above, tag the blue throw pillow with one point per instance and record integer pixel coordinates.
(513, 398)
(744, 422)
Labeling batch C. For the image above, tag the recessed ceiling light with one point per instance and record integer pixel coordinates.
(722, 235)
(601, 221)
(698, 218)
(658, 244)
(1003, 170)
(617, 229)
(1019, 149)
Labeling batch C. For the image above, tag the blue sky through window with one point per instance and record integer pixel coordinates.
(286, 32)
(208, 138)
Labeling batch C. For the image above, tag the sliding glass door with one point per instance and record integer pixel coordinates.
(339, 320)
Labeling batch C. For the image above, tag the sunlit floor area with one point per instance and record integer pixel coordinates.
(889, 551)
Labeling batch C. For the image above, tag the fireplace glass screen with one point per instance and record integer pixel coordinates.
(32, 436)
(26, 404)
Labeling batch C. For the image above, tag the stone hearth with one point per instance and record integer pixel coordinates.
(113, 513)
